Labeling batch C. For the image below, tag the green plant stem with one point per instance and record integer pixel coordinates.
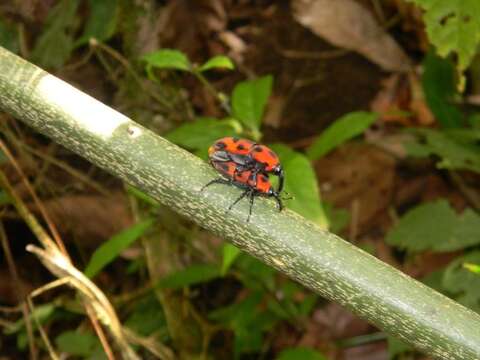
(222, 99)
(319, 260)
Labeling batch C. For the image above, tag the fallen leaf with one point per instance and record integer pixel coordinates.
(91, 219)
(235, 44)
(361, 175)
(401, 101)
(347, 24)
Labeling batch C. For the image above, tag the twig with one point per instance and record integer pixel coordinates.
(68, 169)
(124, 62)
(99, 331)
(61, 267)
(312, 55)
(47, 287)
(66, 281)
(155, 346)
(44, 336)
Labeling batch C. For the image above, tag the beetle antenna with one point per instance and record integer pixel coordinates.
(281, 179)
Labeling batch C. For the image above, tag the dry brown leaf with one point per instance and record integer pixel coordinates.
(276, 108)
(347, 24)
(234, 43)
(391, 102)
(401, 100)
(361, 174)
(90, 218)
(418, 103)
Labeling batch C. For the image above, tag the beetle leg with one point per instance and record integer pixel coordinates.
(279, 201)
(216, 181)
(245, 193)
(252, 199)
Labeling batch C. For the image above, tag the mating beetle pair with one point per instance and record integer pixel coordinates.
(246, 165)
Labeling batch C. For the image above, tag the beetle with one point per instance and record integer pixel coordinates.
(247, 155)
(253, 184)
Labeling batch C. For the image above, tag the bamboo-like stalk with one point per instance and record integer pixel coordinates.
(314, 257)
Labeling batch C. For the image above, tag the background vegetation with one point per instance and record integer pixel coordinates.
(375, 117)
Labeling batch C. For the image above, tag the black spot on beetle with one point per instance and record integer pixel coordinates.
(220, 145)
(258, 149)
(240, 147)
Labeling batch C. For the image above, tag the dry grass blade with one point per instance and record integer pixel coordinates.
(43, 334)
(61, 267)
(152, 344)
(59, 264)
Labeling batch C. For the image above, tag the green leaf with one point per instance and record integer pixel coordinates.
(102, 22)
(396, 348)
(148, 318)
(435, 226)
(9, 37)
(474, 121)
(300, 353)
(200, 134)
(191, 275)
(438, 82)
(41, 313)
(54, 46)
(249, 99)
(462, 283)
(293, 301)
(474, 268)
(455, 151)
(76, 343)
(254, 274)
(4, 198)
(248, 322)
(238, 314)
(3, 158)
(338, 218)
(108, 251)
(343, 129)
(230, 254)
(301, 183)
(168, 59)
(453, 26)
(249, 339)
(434, 280)
(307, 305)
(217, 62)
(140, 195)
